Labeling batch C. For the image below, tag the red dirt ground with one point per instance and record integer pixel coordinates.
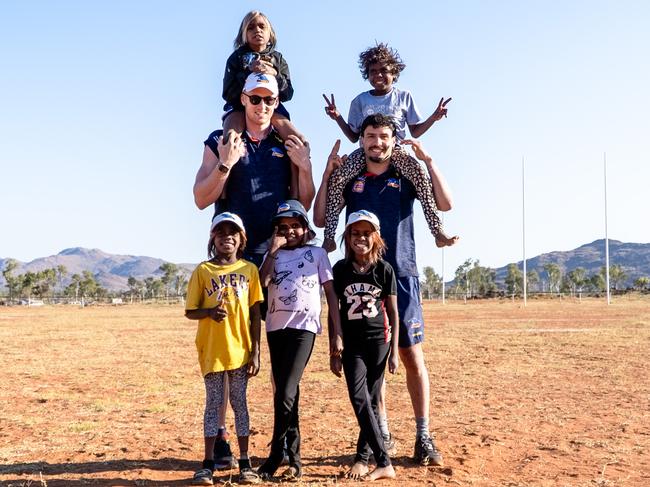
(557, 393)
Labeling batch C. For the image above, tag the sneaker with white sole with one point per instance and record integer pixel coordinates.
(426, 452)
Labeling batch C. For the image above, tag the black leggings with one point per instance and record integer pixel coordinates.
(290, 351)
(364, 364)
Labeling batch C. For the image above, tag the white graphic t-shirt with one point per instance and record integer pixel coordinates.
(294, 290)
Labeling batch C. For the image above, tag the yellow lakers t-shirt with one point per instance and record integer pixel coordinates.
(224, 345)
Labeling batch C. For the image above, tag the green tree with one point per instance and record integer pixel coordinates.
(136, 288)
(462, 278)
(169, 271)
(554, 274)
(61, 272)
(532, 280)
(432, 283)
(616, 275)
(13, 283)
(641, 283)
(596, 282)
(481, 280)
(514, 280)
(577, 278)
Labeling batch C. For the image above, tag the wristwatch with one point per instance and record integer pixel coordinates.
(223, 168)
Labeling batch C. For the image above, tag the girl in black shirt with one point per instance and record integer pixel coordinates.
(365, 286)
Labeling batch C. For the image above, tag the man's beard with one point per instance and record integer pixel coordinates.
(379, 160)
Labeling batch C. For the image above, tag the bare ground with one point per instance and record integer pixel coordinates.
(557, 393)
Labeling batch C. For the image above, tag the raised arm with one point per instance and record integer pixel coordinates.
(333, 113)
(213, 173)
(441, 190)
(419, 128)
(334, 161)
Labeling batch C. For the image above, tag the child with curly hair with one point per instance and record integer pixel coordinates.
(381, 66)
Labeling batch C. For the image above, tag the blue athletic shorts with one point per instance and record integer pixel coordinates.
(411, 321)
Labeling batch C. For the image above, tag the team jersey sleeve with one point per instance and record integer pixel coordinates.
(194, 298)
(213, 141)
(254, 287)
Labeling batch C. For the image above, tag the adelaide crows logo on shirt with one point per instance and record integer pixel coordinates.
(275, 152)
(393, 183)
(359, 185)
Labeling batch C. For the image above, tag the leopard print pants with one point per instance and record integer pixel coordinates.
(409, 167)
(214, 389)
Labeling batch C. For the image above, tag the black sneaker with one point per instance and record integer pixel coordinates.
(223, 457)
(426, 452)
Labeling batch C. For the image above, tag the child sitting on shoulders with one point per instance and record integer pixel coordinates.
(255, 53)
(381, 66)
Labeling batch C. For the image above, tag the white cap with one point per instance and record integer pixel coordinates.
(363, 216)
(226, 216)
(261, 80)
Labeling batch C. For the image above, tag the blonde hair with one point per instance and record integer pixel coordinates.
(240, 40)
(377, 245)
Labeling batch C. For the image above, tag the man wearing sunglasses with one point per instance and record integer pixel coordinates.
(251, 174)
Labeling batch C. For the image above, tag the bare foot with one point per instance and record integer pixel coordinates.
(381, 473)
(443, 240)
(329, 245)
(358, 470)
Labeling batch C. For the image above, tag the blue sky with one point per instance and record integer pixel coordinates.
(104, 107)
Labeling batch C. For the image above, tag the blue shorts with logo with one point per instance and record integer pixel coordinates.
(411, 320)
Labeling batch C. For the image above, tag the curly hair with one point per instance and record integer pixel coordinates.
(381, 53)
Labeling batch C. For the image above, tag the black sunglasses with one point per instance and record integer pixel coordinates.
(256, 99)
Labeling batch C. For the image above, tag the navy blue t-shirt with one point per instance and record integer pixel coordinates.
(390, 197)
(256, 185)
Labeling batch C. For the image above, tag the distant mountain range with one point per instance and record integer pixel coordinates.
(112, 271)
(634, 258)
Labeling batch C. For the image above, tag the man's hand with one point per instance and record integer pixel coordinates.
(231, 151)
(330, 109)
(334, 161)
(418, 150)
(253, 366)
(441, 111)
(298, 151)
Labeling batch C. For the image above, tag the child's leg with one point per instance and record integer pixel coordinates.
(284, 127)
(234, 121)
(364, 366)
(335, 186)
(213, 399)
(414, 172)
(238, 386)
(223, 457)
